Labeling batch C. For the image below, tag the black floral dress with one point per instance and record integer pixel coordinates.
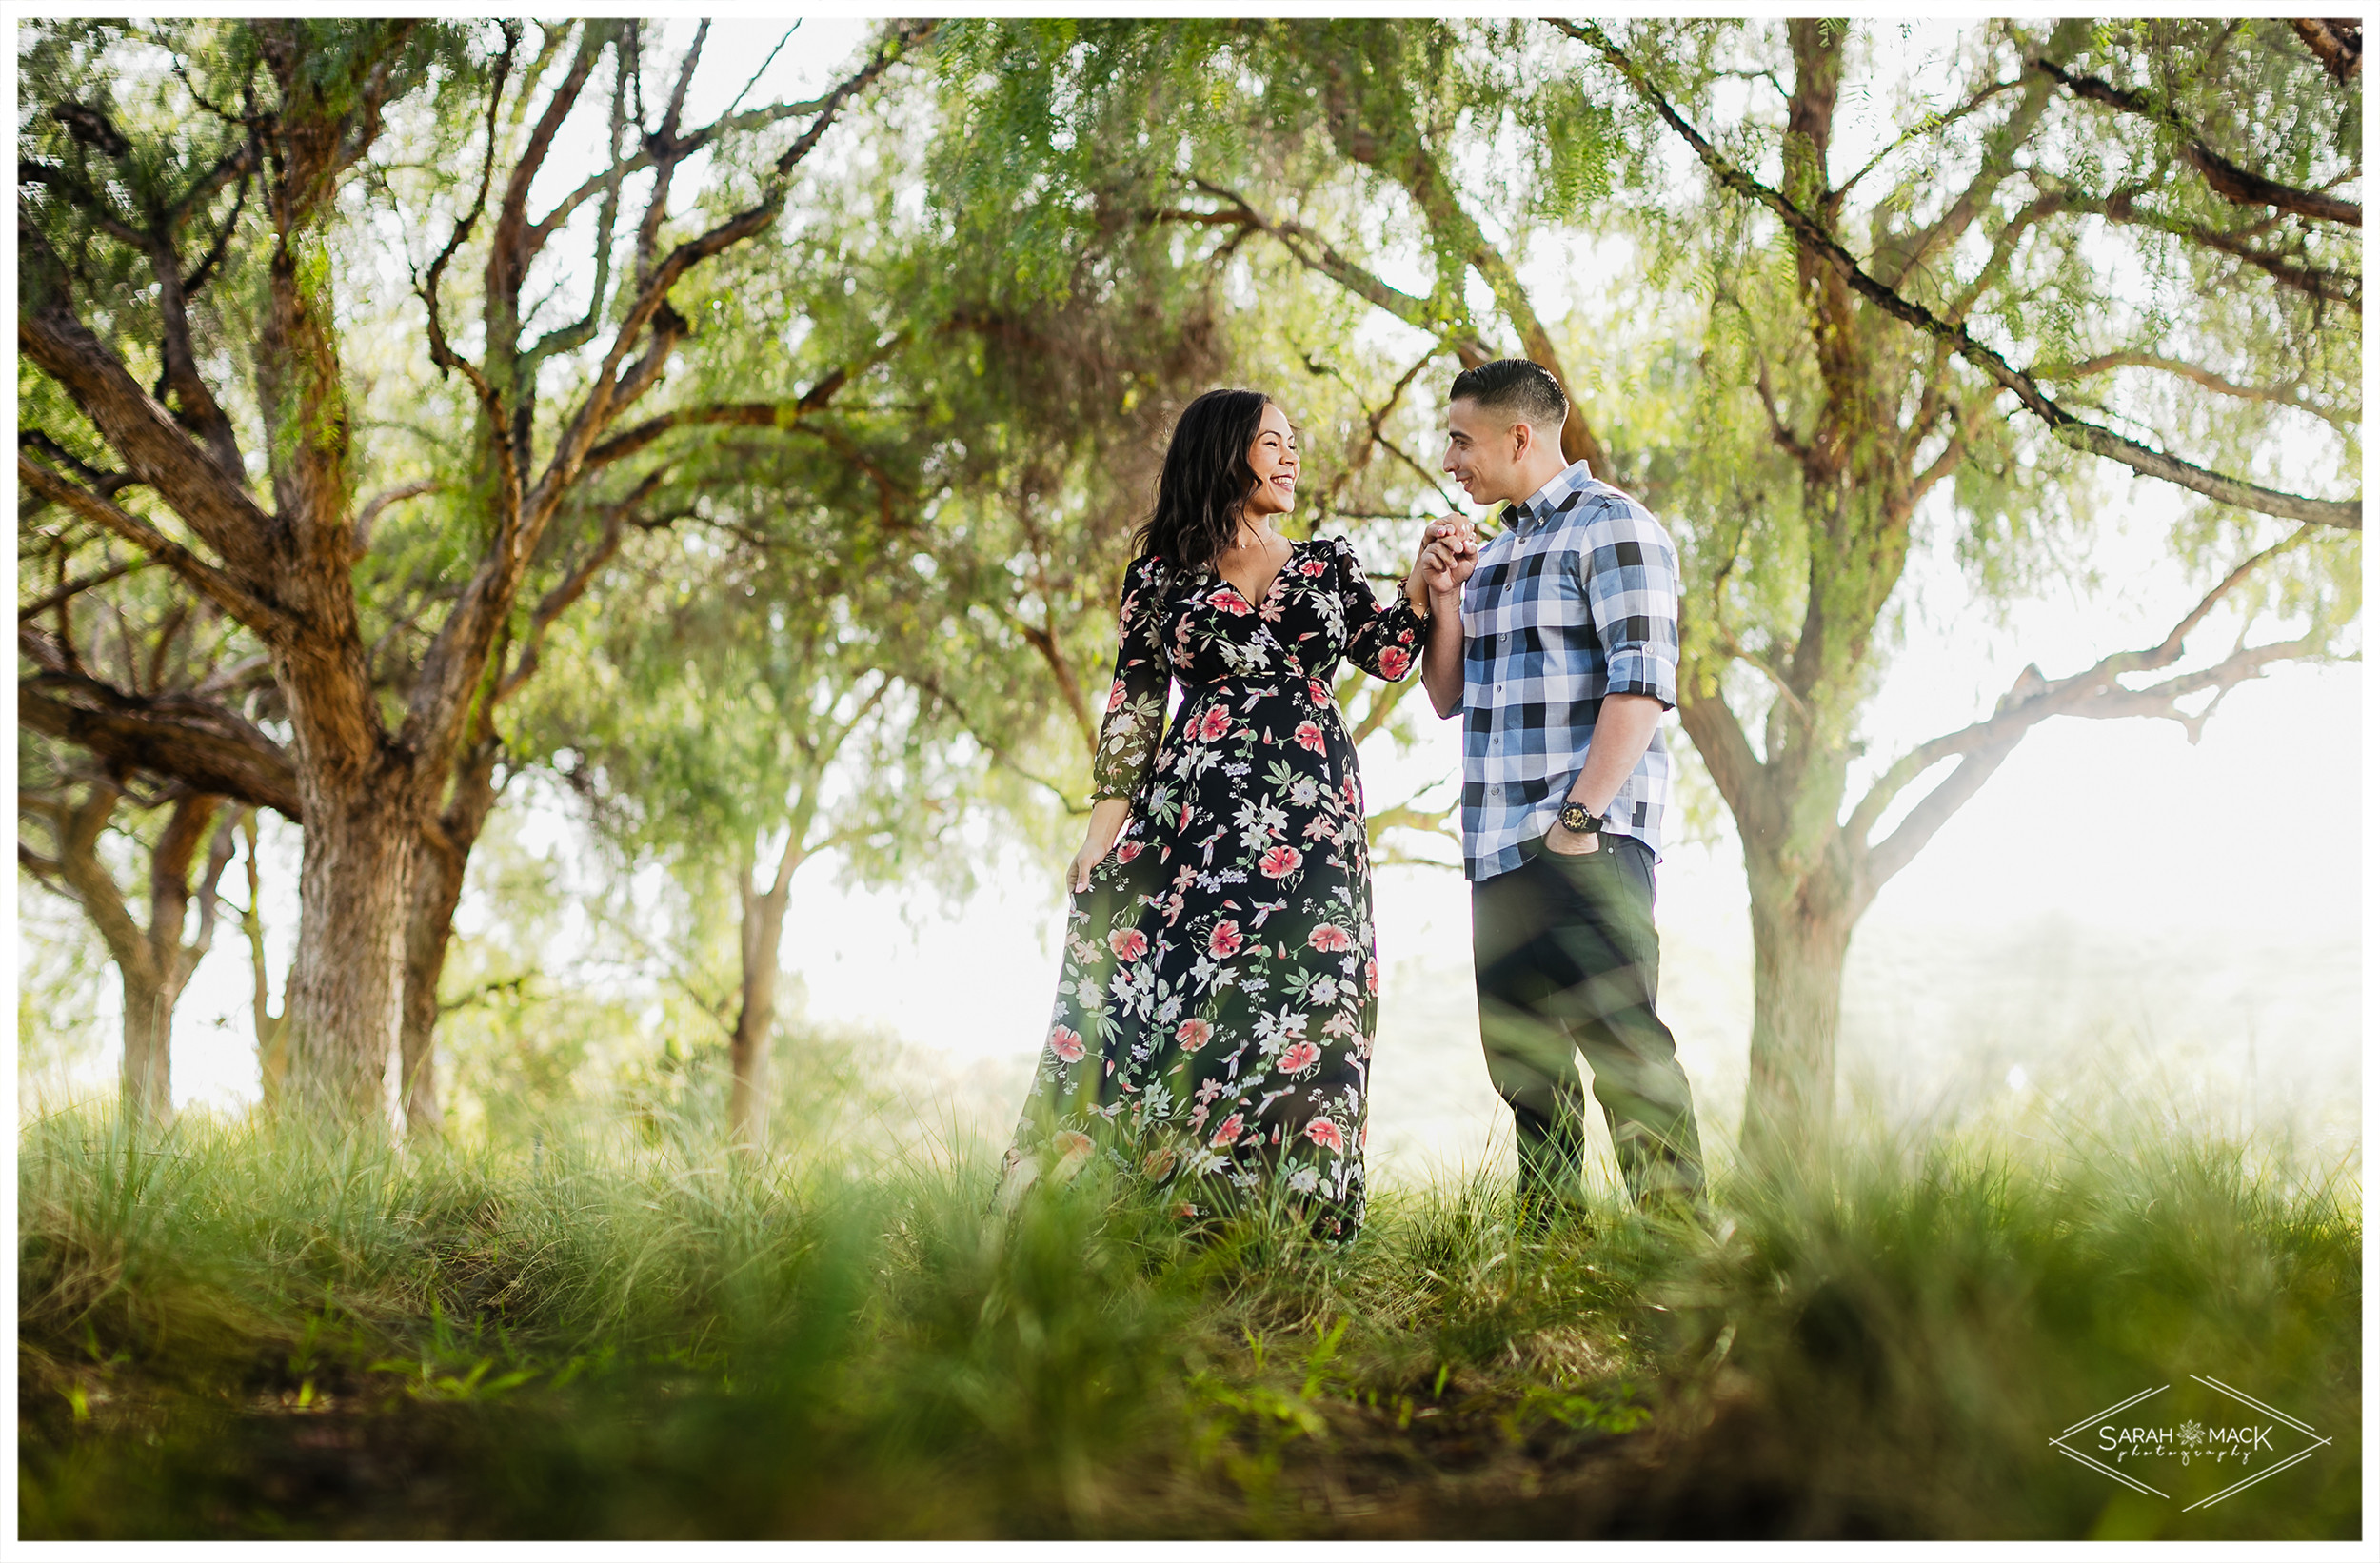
(1214, 1022)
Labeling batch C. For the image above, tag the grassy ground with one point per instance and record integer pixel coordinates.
(225, 1333)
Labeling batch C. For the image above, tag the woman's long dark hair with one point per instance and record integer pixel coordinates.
(1205, 479)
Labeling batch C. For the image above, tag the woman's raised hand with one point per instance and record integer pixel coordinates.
(1450, 549)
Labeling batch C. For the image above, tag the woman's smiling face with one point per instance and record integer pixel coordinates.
(1274, 460)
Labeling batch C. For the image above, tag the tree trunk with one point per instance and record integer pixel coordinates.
(764, 928)
(341, 1011)
(148, 1047)
(1800, 933)
(272, 1032)
(430, 930)
(153, 962)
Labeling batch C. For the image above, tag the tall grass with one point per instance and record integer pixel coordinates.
(228, 1332)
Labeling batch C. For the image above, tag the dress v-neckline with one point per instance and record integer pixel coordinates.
(1259, 600)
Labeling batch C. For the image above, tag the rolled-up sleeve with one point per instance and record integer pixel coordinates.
(1631, 588)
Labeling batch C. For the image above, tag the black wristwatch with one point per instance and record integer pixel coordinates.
(1578, 822)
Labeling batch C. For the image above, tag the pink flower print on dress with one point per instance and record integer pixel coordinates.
(1229, 600)
(1317, 692)
(1326, 1133)
(1393, 661)
(1225, 1132)
(1128, 943)
(1224, 942)
(1279, 863)
(1298, 1057)
(1159, 1164)
(1193, 1035)
(1115, 695)
(1312, 567)
(1214, 724)
(1066, 1044)
(1330, 938)
(1309, 736)
(1130, 850)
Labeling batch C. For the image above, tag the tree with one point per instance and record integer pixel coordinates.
(155, 962)
(295, 115)
(758, 707)
(74, 811)
(1839, 372)
(1873, 389)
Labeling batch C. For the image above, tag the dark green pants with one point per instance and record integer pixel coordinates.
(1568, 961)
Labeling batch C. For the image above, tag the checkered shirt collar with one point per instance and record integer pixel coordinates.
(1558, 494)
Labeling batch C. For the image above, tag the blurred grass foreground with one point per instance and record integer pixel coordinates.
(618, 1332)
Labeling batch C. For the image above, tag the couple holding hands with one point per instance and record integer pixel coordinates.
(1218, 998)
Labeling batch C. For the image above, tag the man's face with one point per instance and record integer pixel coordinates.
(1481, 453)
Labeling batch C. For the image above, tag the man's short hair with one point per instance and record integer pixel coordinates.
(1517, 389)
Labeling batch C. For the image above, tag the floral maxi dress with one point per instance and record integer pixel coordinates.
(1215, 1012)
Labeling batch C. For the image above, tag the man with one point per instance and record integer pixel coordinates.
(1561, 661)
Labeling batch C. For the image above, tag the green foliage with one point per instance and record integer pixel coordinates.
(227, 1334)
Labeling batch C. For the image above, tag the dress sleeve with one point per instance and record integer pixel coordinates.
(1136, 701)
(1384, 641)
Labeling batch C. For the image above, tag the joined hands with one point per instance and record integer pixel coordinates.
(1449, 552)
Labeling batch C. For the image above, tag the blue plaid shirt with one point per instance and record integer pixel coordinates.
(1575, 599)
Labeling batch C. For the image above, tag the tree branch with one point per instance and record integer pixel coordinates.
(1309, 249)
(736, 414)
(1718, 738)
(2070, 430)
(442, 352)
(931, 687)
(193, 740)
(78, 586)
(595, 412)
(2034, 699)
(2225, 178)
(2339, 45)
(267, 619)
(2287, 396)
(2331, 287)
(371, 512)
(153, 448)
(752, 119)
(572, 587)
(94, 888)
(1927, 125)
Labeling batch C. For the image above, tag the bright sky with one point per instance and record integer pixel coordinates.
(2115, 899)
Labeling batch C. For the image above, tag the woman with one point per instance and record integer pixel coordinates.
(1216, 1006)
